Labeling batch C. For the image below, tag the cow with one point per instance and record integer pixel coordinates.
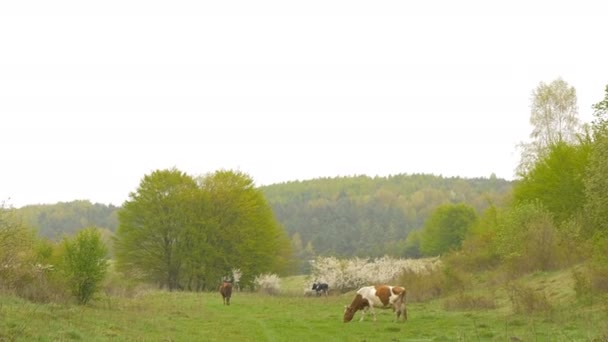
(382, 296)
(226, 291)
(320, 288)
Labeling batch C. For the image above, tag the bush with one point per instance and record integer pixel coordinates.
(582, 284)
(526, 300)
(350, 274)
(528, 241)
(422, 286)
(84, 263)
(268, 283)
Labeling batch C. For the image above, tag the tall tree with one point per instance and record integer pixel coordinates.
(554, 118)
(596, 181)
(446, 228)
(152, 224)
(245, 228)
(557, 180)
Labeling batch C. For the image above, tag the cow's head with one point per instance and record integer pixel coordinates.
(314, 286)
(349, 312)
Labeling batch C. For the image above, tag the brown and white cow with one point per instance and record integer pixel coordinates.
(382, 296)
(226, 291)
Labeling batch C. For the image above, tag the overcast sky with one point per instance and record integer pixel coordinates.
(94, 95)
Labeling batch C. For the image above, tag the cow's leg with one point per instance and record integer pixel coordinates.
(400, 309)
(363, 311)
(371, 308)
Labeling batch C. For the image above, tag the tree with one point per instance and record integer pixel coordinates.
(446, 228)
(554, 118)
(557, 180)
(245, 230)
(187, 233)
(527, 239)
(85, 263)
(153, 225)
(600, 112)
(16, 248)
(596, 181)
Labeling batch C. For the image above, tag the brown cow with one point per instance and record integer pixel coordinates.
(226, 291)
(380, 296)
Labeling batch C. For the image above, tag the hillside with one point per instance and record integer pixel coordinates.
(342, 216)
(365, 216)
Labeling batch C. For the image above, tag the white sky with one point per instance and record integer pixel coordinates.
(96, 94)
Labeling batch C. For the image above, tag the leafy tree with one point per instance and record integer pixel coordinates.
(557, 180)
(16, 248)
(85, 263)
(152, 227)
(245, 230)
(187, 233)
(600, 112)
(596, 181)
(554, 118)
(446, 228)
(527, 239)
(412, 245)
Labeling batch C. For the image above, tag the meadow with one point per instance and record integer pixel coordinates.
(154, 315)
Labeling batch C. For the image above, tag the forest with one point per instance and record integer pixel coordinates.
(343, 216)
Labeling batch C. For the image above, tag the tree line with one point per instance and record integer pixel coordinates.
(343, 216)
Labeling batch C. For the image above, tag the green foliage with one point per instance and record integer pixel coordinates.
(527, 240)
(596, 181)
(150, 239)
(372, 216)
(557, 180)
(446, 228)
(412, 245)
(84, 263)
(422, 286)
(16, 250)
(526, 299)
(600, 112)
(248, 235)
(67, 218)
(185, 233)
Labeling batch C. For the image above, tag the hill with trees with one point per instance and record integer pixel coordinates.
(371, 216)
(342, 216)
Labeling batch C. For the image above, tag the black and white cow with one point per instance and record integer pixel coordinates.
(320, 288)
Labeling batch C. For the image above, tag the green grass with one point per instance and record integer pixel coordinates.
(182, 316)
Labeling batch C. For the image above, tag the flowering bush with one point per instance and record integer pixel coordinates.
(267, 283)
(348, 274)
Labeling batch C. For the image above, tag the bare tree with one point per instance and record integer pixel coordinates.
(554, 118)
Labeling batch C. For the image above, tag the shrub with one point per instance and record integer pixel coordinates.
(582, 284)
(84, 263)
(349, 274)
(268, 283)
(422, 286)
(526, 300)
(528, 241)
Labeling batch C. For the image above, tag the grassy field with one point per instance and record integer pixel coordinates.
(177, 316)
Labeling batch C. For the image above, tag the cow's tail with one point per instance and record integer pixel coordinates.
(402, 304)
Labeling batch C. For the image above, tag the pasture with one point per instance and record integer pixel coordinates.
(291, 316)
